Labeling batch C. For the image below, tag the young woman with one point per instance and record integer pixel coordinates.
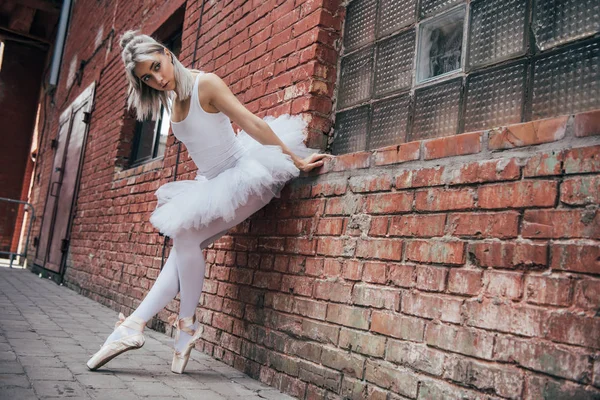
(237, 176)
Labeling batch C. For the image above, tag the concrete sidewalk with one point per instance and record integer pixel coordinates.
(48, 332)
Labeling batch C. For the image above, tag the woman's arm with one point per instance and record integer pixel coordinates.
(225, 101)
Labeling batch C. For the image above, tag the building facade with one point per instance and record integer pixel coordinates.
(450, 250)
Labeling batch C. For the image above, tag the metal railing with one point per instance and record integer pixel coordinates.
(12, 214)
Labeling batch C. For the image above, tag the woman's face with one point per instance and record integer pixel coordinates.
(158, 72)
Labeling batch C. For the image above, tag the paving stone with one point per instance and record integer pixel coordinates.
(152, 389)
(58, 389)
(18, 380)
(48, 374)
(16, 393)
(96, 381)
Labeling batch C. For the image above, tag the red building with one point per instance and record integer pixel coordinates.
(451, 250)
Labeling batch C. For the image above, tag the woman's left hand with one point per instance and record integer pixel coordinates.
(315, 160)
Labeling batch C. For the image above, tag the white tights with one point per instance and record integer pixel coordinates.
(184, 270)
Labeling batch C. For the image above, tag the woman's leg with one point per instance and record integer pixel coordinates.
(165, 288)
(191, 265)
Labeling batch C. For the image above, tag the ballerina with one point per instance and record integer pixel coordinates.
(237, 176)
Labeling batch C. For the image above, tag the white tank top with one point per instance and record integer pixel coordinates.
(208, 137)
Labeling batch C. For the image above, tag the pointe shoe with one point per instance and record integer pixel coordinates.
(130, 342)
(180, 359)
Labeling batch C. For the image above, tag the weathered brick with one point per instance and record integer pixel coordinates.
(379, 226)
(581, 190)
(500, 225)
(544, 164)
(397, 325)
(329, 188)
(551, 290)
(352, 270)
(341, 360)
(309, 308)
(354, 317)
(375, 296)
(332, 246)
(503, 284)
(458, 339)
(345, 205)
(418, 225)
(372, 183)
(392, 377)
(388, 203)
(319, 375)
(330, 226)
(444, 199)
(518, 194)
(465, 281)
(587, 293)
(362, 342)
(320, 332)
(505, 317)
(440, 389)
(415, 355)
(509, 254)
(427, 177)
(581, 330)
(583, 159)
(528, 133)
(434, 306)
(402, 275)
(457, 145)
(557, 224)
(351, 161)
(504, 169)
(334, 291)
(386, 249)
(587, 124)
(431, 278)
(397, 154)
(375, 272)
(436, 251)
(570, 363)
(576, 256)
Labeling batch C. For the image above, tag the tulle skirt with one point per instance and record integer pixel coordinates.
(263, 171)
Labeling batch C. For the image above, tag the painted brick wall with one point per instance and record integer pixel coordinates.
(461, 267)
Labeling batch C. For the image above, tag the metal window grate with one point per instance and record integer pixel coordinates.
(560, 21)
(436, 110)
(395, 14)
(351, 130)
(567, 81)
(390, 119)
(357, 74)
(431, 7)
(497, 31)
(360, 24)
(394, 69)
(495, 97)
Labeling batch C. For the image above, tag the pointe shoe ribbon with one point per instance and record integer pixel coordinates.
(181, 358)
(182, 324)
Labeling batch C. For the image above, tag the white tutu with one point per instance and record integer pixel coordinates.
(263, 170)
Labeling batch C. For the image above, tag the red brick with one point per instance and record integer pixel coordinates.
(428, 177)
(362, 342)
(457, 145)
(587, 124)
(416, 355)
(308, 208)
(301, 285)
(389, 203)
(375, 296)
(331, 246)
(375, 183)
(461, 340)
(332, 268)
(345, 205)
(583, 159)
(335, 291)
(558, 224)
(386, 249)
(351, 161)
(402, 275)
(482, 171)
(434, 306)
(528, 133)
(551, 290)
(300, 246)
(544, 164)
(379, 226)
(488, 225)
(398, 154)
(435, 251)
(374, 272)
(518, 194)
(389, 376)
(574, 329)
(465, 281)
(444, 199)
(509, 254)
(503, 284)
(431, 278)
(505, 317)
(581, 190)
(397, 325)
(587, 293)
(329, 188)
(578, 256)
(352, 270)
(340, 360)
(354, 317)
(418, 225)
(330, 226)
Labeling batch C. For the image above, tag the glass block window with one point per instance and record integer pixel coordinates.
(497, 30)
(495, 97)
(560, 21)
(567, 81)
(440, 45)
(421, 69)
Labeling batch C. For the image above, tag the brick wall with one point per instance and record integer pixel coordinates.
(458, 267)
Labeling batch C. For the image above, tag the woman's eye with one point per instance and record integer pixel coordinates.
(145, 79)
(157, 67)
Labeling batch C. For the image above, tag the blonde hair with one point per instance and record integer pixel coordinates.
(146, 100)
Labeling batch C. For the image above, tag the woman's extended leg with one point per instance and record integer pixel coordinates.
(191, 266)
